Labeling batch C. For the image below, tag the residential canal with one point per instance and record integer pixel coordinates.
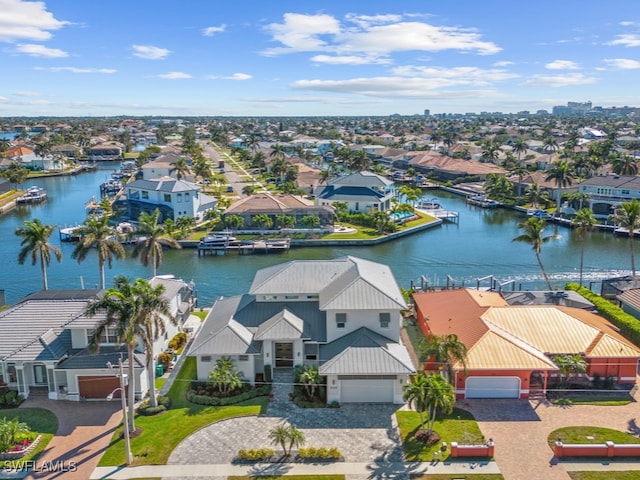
(478, 246)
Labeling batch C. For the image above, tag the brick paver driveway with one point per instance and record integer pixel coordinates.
(84, 431)
(520, 429)
(363, 433)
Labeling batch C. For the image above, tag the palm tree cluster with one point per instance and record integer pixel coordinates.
(225, 376)
(287, 437)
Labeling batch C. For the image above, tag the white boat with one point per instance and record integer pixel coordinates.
(428, 204)
(34, 195)
(482, 201)
(217, 239)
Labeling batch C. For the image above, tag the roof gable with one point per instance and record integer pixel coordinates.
(282, 326)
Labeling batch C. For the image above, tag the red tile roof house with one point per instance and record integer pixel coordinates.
(510, 348)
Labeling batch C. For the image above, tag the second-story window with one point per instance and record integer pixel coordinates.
(167, 197)
(341, 320)
(385, 320)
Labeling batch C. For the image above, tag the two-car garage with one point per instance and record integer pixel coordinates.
(492, 387)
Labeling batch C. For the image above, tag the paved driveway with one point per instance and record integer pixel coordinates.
(84, 431)
(520, 429)
(363, 433)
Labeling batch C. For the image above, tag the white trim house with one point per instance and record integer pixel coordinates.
(341, 315)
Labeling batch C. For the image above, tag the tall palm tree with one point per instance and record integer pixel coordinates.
(277, 151)
(441, 397)
(415, 394)
(445, 351)
(520, 147)
(181, 168)
(628, 216)
(534, 236)
(96, 233)
(153, 238)
(624, 165)
(154, 312)
(585, 222)
(35, 241)
(562, 174)
(122, 313)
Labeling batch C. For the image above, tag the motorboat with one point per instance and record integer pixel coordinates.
(34, 195)
(428, 204)
(217, 239)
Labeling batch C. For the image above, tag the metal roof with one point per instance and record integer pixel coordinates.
(364, 352)
(164, 184)
(80, 359)
(284, 325)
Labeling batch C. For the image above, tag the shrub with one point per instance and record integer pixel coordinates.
(194, 396)
(178, 341)
(628, 324)
(322, 453)
(165, 359)
(256, 454)
(164, 403)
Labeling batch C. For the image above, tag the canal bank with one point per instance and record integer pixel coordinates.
(478, 246)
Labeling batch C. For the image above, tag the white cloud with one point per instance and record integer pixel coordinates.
(559, 80)
(626, 40)
(370, 36)
(150, 52)
(323, 100)
(623, 63)
(239, 76)
(211, 31)
(40, 51)
(464, 75)
(349, 60)
(504, 63)
(299, 33)
(174, 75)
(26, 20)
(4, 99)
(77, 70)
(562, 65)
(26, 94)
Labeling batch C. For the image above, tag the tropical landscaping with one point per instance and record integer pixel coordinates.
(20, 427)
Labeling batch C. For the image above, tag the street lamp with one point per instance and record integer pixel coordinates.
(123, 394)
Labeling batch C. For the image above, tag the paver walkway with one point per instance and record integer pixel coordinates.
(520, 430)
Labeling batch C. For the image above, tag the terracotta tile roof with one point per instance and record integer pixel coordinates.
(449, 164)
(18, 152)
(266, 202)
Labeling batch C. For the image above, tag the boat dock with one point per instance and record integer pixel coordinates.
(245, 247)
(444, 215)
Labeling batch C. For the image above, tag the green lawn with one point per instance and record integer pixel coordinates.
(590, 435)
(39, 420)
(592, 400)
(202, 315)
(160, 381)
(608, 475)
(459, 427)
(162, 433)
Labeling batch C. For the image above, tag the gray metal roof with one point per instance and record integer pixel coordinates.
(632, 182)
(364, 352)
(27, 330)
(362, 179)
(284, 325)
(164, 184)
(86, 359)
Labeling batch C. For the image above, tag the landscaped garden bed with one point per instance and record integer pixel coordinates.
(25, 432)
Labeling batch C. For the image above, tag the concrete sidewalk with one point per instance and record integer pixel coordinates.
(366, 470)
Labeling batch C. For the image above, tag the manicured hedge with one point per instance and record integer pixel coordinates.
(628, 324)
(256, 454)
(321, 453)
(193, 397)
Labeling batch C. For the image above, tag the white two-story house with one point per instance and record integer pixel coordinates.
(173, 198)
(341, 315)
(44, 344)
(607, 192)
(364, 192)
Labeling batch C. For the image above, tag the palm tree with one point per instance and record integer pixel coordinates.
(201, 169)
(263, 221)
(535, 196)
(429, 393)
(628, 216)
(520, 147)
(570, 366)
(296, 438)
(35, 241)
(225, 375)
(154, 312)
(285, 221)
(181, 168)
(534, 236)
(253, 142)
(279, 436)
(122, 313)
(585, 222)
(96, 233)
(277, 151)
(153, 237)
(445, 351)
(624, 165)
(310, 378)
(563, 175)
(415, 394)
(498, 187)
(519, 169)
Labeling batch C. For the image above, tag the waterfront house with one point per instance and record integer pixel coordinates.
(275, 205)
(44, 344)
(511, 348)
(161, 166)
(607, 192)
(106, 151)
(173, 198)
(446, 168)
(342, 316)
(364, 192)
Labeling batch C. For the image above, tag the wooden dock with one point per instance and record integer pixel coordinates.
(248, 247)
(444, 215)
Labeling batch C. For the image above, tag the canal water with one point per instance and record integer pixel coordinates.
(479, 245)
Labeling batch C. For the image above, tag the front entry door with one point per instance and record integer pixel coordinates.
(284, 354)
(40, 374)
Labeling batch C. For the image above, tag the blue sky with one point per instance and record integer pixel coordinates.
(282, 58)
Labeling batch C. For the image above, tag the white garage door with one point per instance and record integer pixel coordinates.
(366, 391)
(493, 387)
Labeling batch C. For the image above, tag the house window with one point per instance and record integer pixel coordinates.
(12, 376)
(179, 198)
(313, 297)
(385, 319)
(145, 194)
(186, 197)
(243, 358)
(167, 197)
(311, 357)
(341, 320)
(205, 358)
(270, 297)
(109, 335)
